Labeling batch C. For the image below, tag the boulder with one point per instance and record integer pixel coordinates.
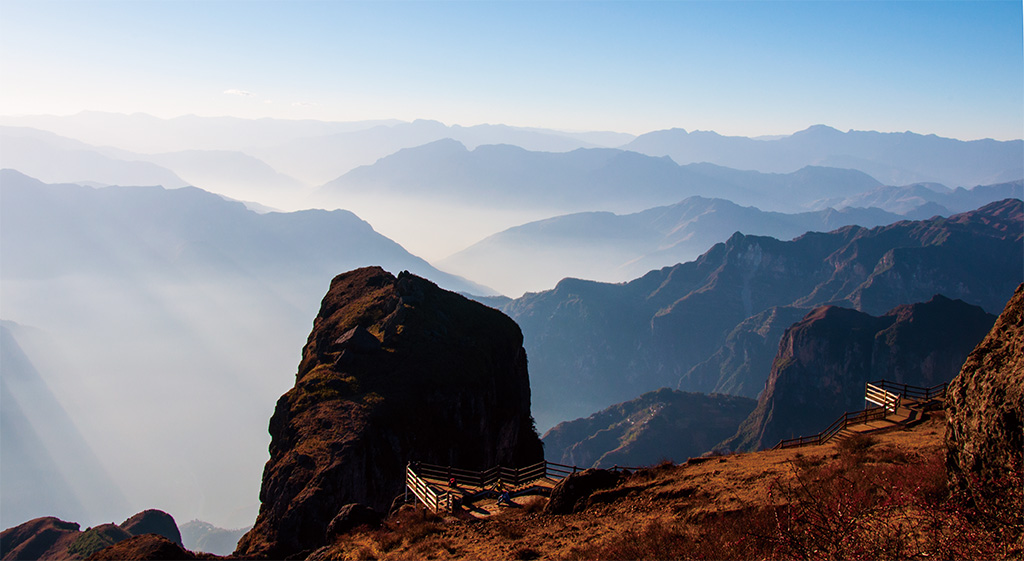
(352, 516)
(571, 493)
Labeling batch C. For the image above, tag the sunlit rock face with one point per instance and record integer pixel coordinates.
(394, 370)
(985, 409)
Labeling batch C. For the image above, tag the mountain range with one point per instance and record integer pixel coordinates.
(610, 247)
(892, 158)
(595, 344)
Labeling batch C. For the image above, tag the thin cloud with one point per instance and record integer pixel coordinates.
(303, 104)
(239, 92)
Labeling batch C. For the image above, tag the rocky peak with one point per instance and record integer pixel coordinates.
(825, 359)
(394, 370)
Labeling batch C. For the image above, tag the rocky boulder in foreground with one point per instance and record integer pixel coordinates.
(394, 370)
(985, 410)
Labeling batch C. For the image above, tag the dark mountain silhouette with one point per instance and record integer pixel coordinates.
(613, 248)
(594, 344)
(395, 370)
(583, 179)
(660, 425)
(825, 359)
(893, 158)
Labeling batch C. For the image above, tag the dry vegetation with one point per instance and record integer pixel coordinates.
(870, 497)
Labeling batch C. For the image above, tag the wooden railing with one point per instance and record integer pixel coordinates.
(911, 392)
(435, 501)
(881, 397)
(849, 418)
(486, 481)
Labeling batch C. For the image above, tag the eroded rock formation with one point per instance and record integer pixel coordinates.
(985, 409)
(394, 370)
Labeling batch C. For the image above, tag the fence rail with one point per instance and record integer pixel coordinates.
(911, 392)
(513, 479)
(886, 395)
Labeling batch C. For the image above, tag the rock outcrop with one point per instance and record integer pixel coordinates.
(41, 538)
(153, 522)
(825, 360)
(394, 370)
(985, 410)
(660, 425)
(144, 547)
(571, 494)
(52, 538)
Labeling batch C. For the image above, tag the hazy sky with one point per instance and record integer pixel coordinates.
(749, 68)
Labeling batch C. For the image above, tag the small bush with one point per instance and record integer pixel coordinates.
(856, 444)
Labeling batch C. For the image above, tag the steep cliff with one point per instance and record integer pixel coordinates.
(825, 359)
(394, 370)
(985, 409)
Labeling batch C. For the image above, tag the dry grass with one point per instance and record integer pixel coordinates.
(875, 497)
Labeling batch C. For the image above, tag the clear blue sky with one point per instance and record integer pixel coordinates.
(746, 68)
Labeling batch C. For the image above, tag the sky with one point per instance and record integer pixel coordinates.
(748, 68)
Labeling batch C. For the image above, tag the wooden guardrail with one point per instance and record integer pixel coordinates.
(513, 479)
(881, 397)
(849, 418)
(911, 392)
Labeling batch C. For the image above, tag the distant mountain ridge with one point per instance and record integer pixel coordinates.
(892, 158)
(613, 248)
(583, 179)
(593, 344)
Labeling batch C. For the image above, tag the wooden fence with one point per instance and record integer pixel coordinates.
(487, 481)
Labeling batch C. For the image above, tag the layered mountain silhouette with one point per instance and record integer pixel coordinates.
(56, 159)
(924, 200)
(892, 158)
(657, 426)
(825, 359)
(504, 175)
(594, 344)
(612, 248)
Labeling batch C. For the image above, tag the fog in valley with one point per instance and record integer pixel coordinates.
(178, 189)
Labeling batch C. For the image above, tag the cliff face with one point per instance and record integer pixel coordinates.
(825, 359)
(985, 407)
(394, 370)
